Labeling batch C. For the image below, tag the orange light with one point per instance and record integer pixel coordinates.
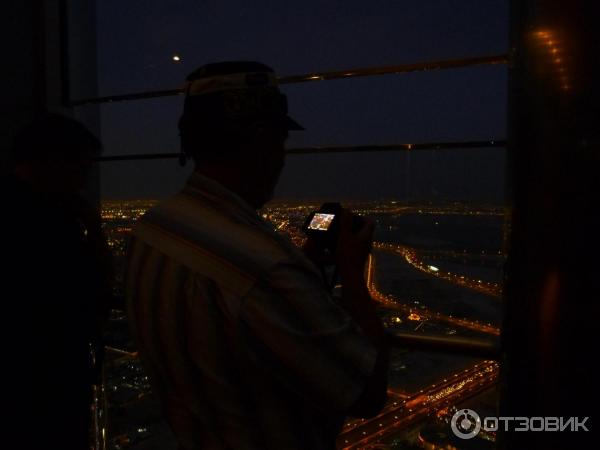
(414, 316)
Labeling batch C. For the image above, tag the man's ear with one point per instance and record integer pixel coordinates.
(259, 136)
(258, 131)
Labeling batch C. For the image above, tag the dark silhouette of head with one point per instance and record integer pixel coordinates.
(234, 126)
(54, 154)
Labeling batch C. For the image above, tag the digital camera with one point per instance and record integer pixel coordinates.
(323, 225)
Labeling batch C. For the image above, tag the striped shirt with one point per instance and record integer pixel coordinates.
(243, 344)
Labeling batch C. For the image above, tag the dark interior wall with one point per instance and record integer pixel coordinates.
(21, 88)
(551, 291)
(49, 53)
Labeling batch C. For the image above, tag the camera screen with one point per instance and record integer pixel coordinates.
(321, 222)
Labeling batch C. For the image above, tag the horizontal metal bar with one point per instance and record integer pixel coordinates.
(398, 147)
(320, 76)
(125, 97)
(478, 348)
(120, 352)
(396, 69)
(489, 349)
(336, 149)
(144, 156)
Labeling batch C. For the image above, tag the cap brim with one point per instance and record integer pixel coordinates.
(291, 124)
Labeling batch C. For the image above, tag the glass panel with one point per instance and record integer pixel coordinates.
(142, 126)
(451, 105)
(437, 262)
(137, 40)
(142, 179)
(473, 175)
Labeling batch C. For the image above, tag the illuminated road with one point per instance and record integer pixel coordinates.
(440, 210)
(398, 414)
(395, 397)
(423, 314)
(412, 257)
(402, 411)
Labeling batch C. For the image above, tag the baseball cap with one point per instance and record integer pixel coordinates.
(235, 91)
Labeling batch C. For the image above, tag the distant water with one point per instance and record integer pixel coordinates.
(442, 232)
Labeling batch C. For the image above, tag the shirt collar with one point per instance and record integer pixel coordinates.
(207, 189)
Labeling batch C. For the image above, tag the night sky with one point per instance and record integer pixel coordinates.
(138, 38)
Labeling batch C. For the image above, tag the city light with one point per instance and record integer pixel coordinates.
(428, 400)
(414, 317)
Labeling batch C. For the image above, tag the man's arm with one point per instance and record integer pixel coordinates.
(353, 251)
(330, 353)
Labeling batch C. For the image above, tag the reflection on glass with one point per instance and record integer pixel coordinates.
(554, 55)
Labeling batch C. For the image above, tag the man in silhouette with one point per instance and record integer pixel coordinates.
(242, 340)
(55, 285)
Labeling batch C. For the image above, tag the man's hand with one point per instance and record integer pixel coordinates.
(353, 247)
(317, 253)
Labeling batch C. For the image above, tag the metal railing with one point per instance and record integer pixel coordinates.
(500, 143)
(478, 348)
(319, 76)
(325, 76)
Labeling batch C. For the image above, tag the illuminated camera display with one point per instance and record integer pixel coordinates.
(323, 226)
(321, 221)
